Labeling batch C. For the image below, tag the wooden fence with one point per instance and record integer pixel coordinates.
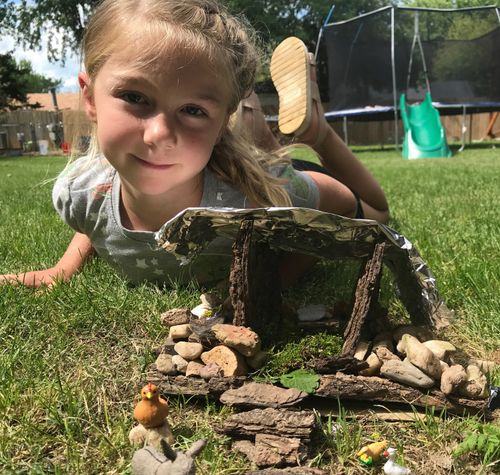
(24, 129)
(29, 129)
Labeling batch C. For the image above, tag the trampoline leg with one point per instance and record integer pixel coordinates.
(346, 137)
(464, 130)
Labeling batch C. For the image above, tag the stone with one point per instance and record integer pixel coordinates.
(420, 356)
(139, 435)
(484, 365)
(361, 350)
(179, 332)
(242, 339)
(211, 370)
(180, 363)
(194, 367)
(188, 350)
(440, 348)
(166, 347)
(231, 362)
(444, 366)
(175, 316)
(476, 386)
(421, 333)
(165, 365)
(313, 313)
(405, 373)
(384, 354)
(452, 378)
(374, 365)
(258, 360)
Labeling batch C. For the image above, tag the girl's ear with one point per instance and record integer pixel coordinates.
(88, 97)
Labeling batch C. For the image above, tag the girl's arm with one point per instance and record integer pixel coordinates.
(77, 253)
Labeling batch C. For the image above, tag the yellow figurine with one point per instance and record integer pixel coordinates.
(372, 453)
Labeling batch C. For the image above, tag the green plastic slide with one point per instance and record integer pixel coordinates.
(424, 133)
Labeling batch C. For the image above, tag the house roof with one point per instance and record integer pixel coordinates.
(65, 100)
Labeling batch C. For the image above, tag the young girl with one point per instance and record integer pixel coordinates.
(161, 80)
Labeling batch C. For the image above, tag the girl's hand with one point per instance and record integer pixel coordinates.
(38, 278)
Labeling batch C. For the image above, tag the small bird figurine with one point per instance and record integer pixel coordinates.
(391, 467)
(372, 453)
(151, 411)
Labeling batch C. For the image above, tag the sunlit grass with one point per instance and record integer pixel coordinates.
(73, 359)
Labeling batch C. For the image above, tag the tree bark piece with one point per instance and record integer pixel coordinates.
(290, 471)
(272, 450)
(254, 283)
(192, 386)
(372, 388)
(366, 295)
(280, 422)
(262, 395)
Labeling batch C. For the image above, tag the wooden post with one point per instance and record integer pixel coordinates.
(367, 290)
(254, 284)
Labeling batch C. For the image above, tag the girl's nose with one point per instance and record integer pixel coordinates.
(159, 130)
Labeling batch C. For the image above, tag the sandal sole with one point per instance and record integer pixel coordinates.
(291, 77)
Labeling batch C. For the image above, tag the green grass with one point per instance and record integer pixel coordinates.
(73, 359)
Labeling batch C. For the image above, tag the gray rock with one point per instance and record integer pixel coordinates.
(188, 350)
(165, 365)
(420, 356)
(405, 373)
(180, 363)
(180, 332)
(313, 313)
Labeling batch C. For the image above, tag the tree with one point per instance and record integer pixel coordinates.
(17, 80)
(60, 23)
(36, 82)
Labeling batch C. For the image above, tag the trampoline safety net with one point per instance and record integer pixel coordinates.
(457, 51)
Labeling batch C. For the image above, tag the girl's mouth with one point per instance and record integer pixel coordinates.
(153, 166)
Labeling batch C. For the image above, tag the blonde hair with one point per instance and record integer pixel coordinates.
(195, 29)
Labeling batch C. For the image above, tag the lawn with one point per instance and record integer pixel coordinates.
(73, 358)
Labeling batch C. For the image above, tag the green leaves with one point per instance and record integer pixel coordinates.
(486, 441)
(301, 379)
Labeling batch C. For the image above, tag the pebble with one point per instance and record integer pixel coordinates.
(165, 365)
(405, 373)
(179, 332)
(420, 356)
(180, 363)
(188, 350)
(312, 313)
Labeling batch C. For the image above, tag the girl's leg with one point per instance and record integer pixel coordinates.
(251, 121)
(352, 178)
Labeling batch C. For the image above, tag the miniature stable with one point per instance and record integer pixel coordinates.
(274, 425)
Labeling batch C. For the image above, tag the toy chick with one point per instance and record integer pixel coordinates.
(151, 413)
(372, 453)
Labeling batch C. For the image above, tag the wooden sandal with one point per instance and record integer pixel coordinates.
(291, 74)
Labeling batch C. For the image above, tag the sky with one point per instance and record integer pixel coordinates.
(68, 73)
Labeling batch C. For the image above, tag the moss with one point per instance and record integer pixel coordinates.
(295, 355)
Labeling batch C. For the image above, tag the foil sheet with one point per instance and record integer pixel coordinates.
(319, 234)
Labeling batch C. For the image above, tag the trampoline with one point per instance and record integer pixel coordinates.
(370, 60)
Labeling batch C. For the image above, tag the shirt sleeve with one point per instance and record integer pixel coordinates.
(302, 189)
(74, 193)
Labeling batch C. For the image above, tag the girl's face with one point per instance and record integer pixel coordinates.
(157, 128)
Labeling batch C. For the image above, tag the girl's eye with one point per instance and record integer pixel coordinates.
(194, 111)
(133, 98)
